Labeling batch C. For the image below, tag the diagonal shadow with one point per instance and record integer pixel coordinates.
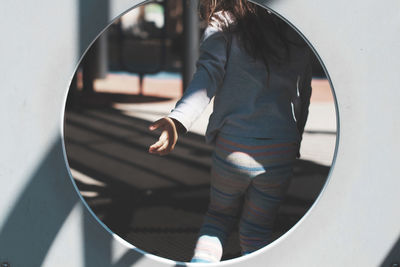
(392, 259)
(123, 161)
(142, 131)
(45, 204)
(116, 118)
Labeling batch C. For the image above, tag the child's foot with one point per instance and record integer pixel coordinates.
(208, 249)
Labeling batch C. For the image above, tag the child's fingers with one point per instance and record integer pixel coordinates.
(156, 146)
(164, 136)
(163, 147)
(162, 141)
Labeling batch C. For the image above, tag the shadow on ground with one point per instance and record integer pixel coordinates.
(78, 99)
(157, 203)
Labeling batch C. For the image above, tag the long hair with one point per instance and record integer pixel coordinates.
(260, 32)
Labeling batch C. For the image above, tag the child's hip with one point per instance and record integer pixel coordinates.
(252, 157)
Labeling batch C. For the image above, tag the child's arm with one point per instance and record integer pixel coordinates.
(209, 75)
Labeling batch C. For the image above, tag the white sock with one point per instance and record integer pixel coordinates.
(208, 249)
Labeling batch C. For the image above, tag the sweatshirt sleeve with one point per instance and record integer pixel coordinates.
(209, 75)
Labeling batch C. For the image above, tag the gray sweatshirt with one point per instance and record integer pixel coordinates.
(245, 104)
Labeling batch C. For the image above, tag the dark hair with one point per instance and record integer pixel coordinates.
(260, 32)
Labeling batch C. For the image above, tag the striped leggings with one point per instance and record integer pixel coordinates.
(249, 178)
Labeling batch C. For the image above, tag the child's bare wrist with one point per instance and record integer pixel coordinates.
(179, 127)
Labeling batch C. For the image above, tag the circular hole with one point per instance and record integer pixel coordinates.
(131, 76)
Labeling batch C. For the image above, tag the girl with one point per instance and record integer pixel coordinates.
(258, 71)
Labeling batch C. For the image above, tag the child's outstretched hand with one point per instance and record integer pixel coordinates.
(168, 138)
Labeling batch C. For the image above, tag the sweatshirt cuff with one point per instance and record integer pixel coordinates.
(179, 116)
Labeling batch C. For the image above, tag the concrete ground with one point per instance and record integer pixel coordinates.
(157, 203)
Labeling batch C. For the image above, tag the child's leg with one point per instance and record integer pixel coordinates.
(226, 198)
(225, 202)
(262, 201)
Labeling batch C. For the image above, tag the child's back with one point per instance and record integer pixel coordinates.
(250, 101)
